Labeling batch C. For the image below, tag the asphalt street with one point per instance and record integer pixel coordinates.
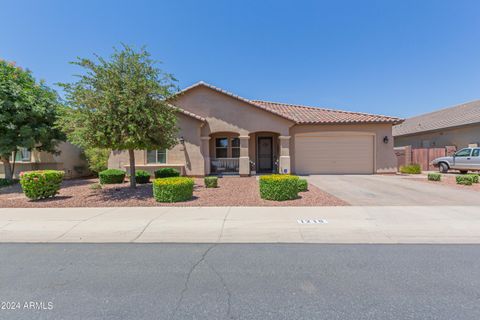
(239, 281)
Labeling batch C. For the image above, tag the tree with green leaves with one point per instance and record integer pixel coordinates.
(28, 111)
(120, 103)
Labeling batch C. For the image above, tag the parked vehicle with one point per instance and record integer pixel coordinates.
(463, 160)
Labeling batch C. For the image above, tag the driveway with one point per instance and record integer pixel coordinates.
(385, 190)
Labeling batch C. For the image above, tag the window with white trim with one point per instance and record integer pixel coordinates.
(23, 155)
(157, 156)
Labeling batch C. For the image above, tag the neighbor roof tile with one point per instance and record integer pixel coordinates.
(463, 114)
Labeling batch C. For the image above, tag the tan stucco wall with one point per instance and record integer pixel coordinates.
(189, 155)
(385, 160)
(227, 114)
(69, 160)
(460, 137)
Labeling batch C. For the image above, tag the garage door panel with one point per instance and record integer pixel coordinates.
(334, 154)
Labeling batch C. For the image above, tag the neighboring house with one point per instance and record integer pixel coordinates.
(457, 126)
(69, 160)
(223, 133)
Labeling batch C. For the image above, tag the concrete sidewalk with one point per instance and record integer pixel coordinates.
(452, 224)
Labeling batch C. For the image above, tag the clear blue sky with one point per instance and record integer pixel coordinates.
(391, 57)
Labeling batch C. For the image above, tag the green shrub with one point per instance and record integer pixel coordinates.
(465, 180)
(302, 185)
(474, 177)
(434, 176)
(41, 184)
(111, 176)
(173, 189)
(97, 159)
(211, 182)
(167, 173)
(279, 187)
(411, 169)
(5, 182)
(142, 176)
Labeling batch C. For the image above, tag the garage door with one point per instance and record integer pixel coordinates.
(339, 153)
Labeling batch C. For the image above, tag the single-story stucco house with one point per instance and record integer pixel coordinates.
(69, 160)
(221, 132)
(457, 126)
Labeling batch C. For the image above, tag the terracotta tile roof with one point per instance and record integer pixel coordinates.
(314, 115)
(305, 114)
(188, 113)
(463, 114)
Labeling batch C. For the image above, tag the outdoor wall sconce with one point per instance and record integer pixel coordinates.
(385, 139)
(182, 140)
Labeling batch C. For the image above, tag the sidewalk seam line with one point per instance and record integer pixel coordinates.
(149, 223)
(79, 223)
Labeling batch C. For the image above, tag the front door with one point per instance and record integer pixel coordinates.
(264, 154)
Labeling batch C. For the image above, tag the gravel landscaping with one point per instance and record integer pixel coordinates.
(232, 191)
(448, 179)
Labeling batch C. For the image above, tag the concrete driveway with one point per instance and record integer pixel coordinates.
(386, 190)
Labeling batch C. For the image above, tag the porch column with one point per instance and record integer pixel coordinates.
(206, 154)
(244, 160)
(284, 165)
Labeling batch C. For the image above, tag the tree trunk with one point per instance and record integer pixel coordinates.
(131, 155)
(7, 169)
(14, 161)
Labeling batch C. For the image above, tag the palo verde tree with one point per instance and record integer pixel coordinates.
(28, 111)
(120, 103)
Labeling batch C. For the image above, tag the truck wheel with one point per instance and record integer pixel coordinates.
(463, 171)
(443, 167)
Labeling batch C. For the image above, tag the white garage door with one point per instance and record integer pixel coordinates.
(338, 153)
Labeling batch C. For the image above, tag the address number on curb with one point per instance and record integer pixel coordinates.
(312, 221)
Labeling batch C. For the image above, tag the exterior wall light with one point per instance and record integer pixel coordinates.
(182, 140)
(385, 139)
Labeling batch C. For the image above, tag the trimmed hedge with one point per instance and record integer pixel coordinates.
(411, 169)
(5, 182)
(142, 176)
(302, 185)
(112, 176)
(41, 184)
(279, 187)
(434, 176)
(173, 189)
(211, 182)
(474, 177)
(465, 180)
(166, 173)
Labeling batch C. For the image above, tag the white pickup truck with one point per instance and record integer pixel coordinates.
(464, 160)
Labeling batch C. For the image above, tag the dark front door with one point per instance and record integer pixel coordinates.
(265, 157)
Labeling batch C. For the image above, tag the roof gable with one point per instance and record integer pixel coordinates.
(232, 95)
(300, 114)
